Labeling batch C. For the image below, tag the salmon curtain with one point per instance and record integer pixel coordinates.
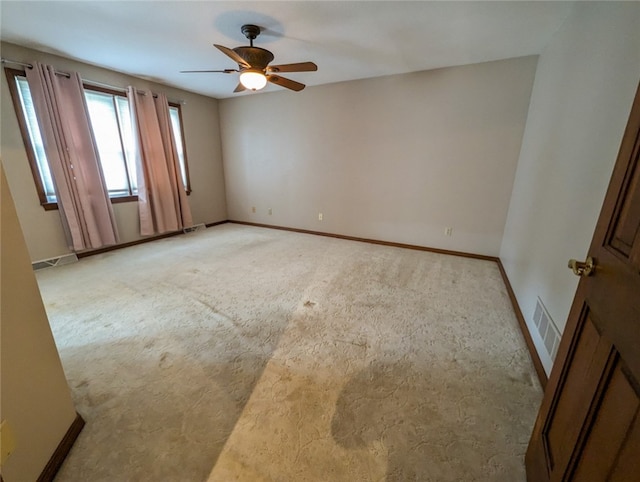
(162, 200)
(81, 190)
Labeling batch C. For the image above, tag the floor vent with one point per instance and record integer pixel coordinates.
(196, 227)
(547, 328)
(59, 261)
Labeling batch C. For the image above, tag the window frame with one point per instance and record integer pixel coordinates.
(24, 132)
(11, 75)
(187, 184)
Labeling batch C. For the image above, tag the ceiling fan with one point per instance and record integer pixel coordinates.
(254, 68)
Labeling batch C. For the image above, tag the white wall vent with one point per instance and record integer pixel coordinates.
(59, 261)
(547, 328)
(196, 227)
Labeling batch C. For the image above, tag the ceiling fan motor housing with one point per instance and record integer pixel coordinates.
(255, 56)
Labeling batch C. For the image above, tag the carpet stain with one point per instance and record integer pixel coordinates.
(163, 359)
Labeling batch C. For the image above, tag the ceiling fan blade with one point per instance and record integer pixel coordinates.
(225, 71)
(239, 88)
(298, 67)
(233, 55)
(288, 83)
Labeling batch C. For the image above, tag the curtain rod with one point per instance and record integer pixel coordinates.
(90, 82)
(7, 61)
(24, 64)
(155, 96)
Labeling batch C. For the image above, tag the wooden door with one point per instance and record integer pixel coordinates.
(588, 427)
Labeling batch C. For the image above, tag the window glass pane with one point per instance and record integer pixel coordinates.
(177, 134)
(126, 129)
(36, 138)
(106, 131)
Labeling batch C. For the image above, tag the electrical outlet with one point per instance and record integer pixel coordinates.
(253, 209)
(270, 211)
(319, 216)
(448, 231)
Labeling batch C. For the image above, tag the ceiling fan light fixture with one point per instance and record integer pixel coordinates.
(253, 65)
(253, 79)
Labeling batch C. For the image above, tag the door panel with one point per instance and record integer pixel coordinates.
(586, 368)
(623, 231)
(627, 467)
(588, 427)
(608, 435)
(626, 219)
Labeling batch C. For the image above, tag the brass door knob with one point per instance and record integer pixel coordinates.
(583, 269)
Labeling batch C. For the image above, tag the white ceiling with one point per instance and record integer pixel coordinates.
(347, 39)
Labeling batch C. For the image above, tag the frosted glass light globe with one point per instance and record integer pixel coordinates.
(253, 80)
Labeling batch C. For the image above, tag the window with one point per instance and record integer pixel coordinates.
(175, 112)
(23, 106)
(111, 125)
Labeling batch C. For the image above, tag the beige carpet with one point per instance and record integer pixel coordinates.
(251, 354)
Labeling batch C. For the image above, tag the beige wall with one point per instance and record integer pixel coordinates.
(34, 397)
(42, 229)
(585, 83)
(396, 158)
